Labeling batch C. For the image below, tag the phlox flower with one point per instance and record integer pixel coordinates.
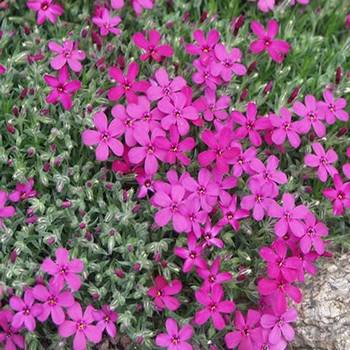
(210, 233)
(191, 255)
(53, 301)
(117, 4)
(322, 161)
(23, 191)
(81, 325)
(66, 54)
(151, 46)
(277, 49)
(224, 181)
(339, 195)
(126, 84)
(2, 69)
(46, 10)
(162, 86)
(140, 5)
(264, 342)
(175, 338)
(346, 170)
(289, 215)
(332, 108)
(146, 185)
(5, 211)
(107, 23)
(163, 293)
(26, 311)
(106, 319)
(266, 5)
(64, 270)
(246, 331)
(241, 163)
(204, 75)
(312, 116)
(214, 306)
(250, 125)
(9, 335)
(195, 217)
(105, 137)
(62, 88)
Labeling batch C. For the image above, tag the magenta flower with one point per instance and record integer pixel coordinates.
(204, 75)
(210, 234)
(284, 128)
(177, 113)
(10, 335)
(127, 85)
(23, 191)
(140, 5)
(333, 109)
(266, 5)
(277, 49)
(247, 331)
(175, 339)
(81, 325)
(251, 126)
(26, 309)
(64, 270)
(163, 292)
(5, 211)
(339, 195)
(146, 185)
(153, 49)
(62, 88)
(231, 215)
(2, 69)
(107, 23)
(192, 255)
(46, 10)
(54, 300)
(289, 215)
(66, 54)
(279, 325)
(220, 150)
(163, 87)
(106, 320)
(205, 45)
(264, 343)
(191, 210)
(278, 264)
(241, 163)
(312, 235)
(212, 275)
(312, 116)
(214, 306)
(104, 137)
(323, 161)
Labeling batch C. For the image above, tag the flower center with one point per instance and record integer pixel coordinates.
(211, 278)
(147, 183)
(258, 198)
(129, 122)
(212, 307)
(250, 125)
(267, 42)
(127, 86)
(331, 107)
(227, 63)
(205, 49)
(341, 195)
(201, 190)
(193, 254)
(26, 311)
(107, 319)
(52, 301)
(44, 6)
(67, 54)
(150, 149)
(287, 215)
(207, 236)
(146, 117)
(324, 160)
(175, 340)
(311, 231)
(177, 114)
(229, 216)
(63, 270)
(240, 161)
(312, 116)
(166, 91)
(60, 89)
(81, 325)
(159, 293)
(104, 136)
(286, 126)
(174, 148)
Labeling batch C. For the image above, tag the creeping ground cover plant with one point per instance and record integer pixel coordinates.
(171, 171)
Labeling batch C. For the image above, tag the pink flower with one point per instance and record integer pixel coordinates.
(264, 343)
(277, 49)
(147, 152)
(10, 335)
(46, 10)
(347, 21)
(5, 211)
(220, 150)
(66, 54)
(205, 45)
(153, 49)
(311, 114)
(284, 128)
(231, 215)
(62, 88)
(266, 5)
(163, 87)
(64, 270)
(106, 320)
(192, 255)
(175, 339)
(251, 126)
(163, 292)
(279, 325)
(81, 325)
(127, 85)
(241, 163)
(117, 4)
(278, 264)
(312, 235)
(346, 170)
(146, 185)
(107, 23)
(2, 69)
(229, 63)
(54, 300)
(289, 215)
(210, 234)
(23, 191)
(339, 196)
(323, 161)
(139, 5)
(214, 306)
(204, 75)
(104, 137)
(333, 109)
(194, 216)
(26, 309)
(177, 113)
(246, 332)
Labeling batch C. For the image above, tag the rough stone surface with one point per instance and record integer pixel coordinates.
(324, 315)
